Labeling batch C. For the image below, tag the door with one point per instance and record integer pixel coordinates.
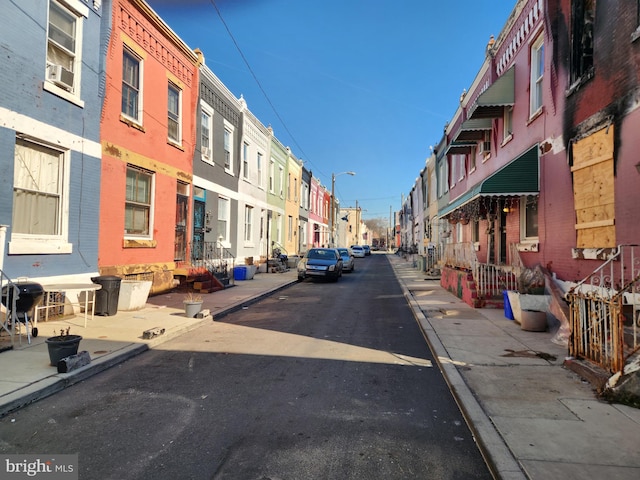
(182, 207)
(198, 229)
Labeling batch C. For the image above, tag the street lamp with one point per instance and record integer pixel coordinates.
(332, 226)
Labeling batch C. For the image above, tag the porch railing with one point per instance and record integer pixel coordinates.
(214, 257)
(491, 279)
(600, 305)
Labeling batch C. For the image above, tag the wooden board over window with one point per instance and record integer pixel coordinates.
(593, 190)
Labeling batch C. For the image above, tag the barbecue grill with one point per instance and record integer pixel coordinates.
(30, 295)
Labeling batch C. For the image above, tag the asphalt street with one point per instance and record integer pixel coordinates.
(320, 380)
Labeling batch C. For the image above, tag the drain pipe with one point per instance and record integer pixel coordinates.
(3, 236)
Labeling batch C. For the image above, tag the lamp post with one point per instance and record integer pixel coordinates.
(332, 217)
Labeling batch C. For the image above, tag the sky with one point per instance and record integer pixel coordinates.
(349, 85)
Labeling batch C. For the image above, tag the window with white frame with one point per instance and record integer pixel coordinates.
(295, 189)
(472, 159)
(537, 71)
(461, 166)
(64, 46)
(228, 147)
(138, 202)
(245, 160)
(248, 223)
(281, 181)
(40, 192)
(454, 164)
(223, 219)
(272, 179)
(131, 81)
(289, 187)
(529, 218)
(206, 127)
(507, 123)
(259, 167)
(175, 123)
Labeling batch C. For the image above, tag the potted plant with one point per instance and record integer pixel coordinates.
(62, 345)
(192, 304)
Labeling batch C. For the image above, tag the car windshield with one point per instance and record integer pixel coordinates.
(343, 251)
(321, 254)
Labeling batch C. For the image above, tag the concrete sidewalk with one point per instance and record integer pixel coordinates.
(531, 417)
(27, 375)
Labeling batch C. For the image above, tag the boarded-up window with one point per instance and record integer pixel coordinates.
(593, 190)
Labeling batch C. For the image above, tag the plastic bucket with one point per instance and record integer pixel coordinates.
(240, 273)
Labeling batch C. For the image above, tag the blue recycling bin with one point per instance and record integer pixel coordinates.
(508, 312)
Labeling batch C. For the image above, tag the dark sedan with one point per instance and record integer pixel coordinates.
(320, 263)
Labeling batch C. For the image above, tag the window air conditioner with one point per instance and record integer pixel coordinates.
(205, 152)
(60, 76)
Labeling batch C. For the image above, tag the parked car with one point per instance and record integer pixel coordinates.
(357, 251)
(320, 263)
(348, 262)
(367, 249)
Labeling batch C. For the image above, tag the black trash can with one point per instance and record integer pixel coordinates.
(107, 296)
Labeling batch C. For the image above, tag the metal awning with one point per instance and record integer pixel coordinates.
(520, 177)
(500, 94)
(473, 130)
(459, 148)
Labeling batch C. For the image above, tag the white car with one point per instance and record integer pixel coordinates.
(357, 251)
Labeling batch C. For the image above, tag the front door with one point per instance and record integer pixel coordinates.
(198, 229)
(182, 207)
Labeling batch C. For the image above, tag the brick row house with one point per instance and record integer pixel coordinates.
(537, 172)
(124, 154)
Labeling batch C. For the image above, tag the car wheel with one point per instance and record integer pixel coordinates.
(300, 278)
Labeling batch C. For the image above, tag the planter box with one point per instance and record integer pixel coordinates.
(520, 302)
(133, 294)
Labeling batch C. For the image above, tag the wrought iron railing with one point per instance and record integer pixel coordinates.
(213, 257)
(491, 279)
(599, 306)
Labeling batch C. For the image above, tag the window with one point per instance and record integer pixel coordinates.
(137, 215)
(175, 126)
(206, 121)
(295, 190)
(462, 166)
(537, 70)
(272, 172)
(290, 228)
(223, 219)
(289, 187)
(507, 123)
(228, 147)
(472, 159)
(281, 181)
(39, 191)
(64, 44)
(248, 221)
(131, 98)
(259, 169)
(583, 18)
(529, 220)
(245, 160)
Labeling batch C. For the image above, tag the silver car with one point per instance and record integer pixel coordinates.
(348, 262)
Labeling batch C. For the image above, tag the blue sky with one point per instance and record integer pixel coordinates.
(350, 85)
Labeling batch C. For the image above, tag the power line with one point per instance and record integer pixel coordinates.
(255, 78)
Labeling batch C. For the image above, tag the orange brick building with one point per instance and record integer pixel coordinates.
(148, 130)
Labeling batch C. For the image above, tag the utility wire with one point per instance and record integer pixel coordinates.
(255, 78)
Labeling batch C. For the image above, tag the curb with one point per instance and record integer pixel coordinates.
(494, 450)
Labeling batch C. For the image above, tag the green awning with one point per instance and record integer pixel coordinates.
(459, 148)
(500, 94)
(473, 130)
(520, 177)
